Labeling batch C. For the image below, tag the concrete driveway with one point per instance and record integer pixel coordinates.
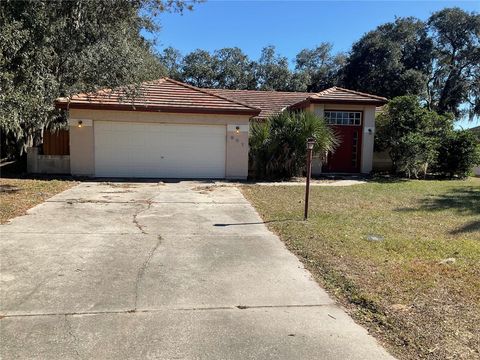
(162, 271)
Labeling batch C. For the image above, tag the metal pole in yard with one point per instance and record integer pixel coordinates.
(310, 144)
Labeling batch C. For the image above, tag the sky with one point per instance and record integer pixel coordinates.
(289, 25)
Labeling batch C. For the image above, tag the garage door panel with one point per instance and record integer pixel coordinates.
(159, 150)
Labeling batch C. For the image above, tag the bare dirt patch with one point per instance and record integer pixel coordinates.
(19, 195)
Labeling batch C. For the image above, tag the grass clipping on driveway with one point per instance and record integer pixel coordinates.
(418, 289)
(19, 195)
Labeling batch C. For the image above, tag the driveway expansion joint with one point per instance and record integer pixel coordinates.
(87, 201)
(139, 311)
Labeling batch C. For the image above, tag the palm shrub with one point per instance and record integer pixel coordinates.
(278, 145)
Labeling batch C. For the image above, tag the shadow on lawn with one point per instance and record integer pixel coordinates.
(470, 227)
(252, 223)
(464, 201)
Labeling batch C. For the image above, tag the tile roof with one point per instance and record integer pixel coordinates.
(270, 102)
(273, 102)
(173, 96)
(337, 94)
(161, 95)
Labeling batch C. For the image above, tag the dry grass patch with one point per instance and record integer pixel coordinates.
(418, 290)
(19, 195)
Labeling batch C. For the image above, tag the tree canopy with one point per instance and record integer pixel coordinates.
(55, 48)
(230, 68)
(391, 60)
(455, 71)
(321, 68)
(438, 59)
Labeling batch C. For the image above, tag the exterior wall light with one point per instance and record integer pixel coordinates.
(310, 143)
(237, 129)
(80, 123)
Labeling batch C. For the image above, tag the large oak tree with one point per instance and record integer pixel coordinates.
(392, 60)
(55, 48)
(455, 71)
(438, 59)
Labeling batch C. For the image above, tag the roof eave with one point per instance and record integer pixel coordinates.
(349, 102)
(146, 108)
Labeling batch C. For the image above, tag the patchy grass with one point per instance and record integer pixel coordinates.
(421, 305)
(19, 195)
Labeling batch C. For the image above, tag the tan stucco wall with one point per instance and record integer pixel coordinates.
(47, 164)
(367, 136)
(382, 161)
(368, 139)
(236, 163)
(82, 156)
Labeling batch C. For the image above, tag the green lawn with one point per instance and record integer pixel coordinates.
(401, 288)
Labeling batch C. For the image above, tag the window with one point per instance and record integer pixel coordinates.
(343, 117)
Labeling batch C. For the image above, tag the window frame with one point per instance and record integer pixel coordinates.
(328, 120)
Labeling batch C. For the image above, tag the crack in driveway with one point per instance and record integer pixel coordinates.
(149, 203)
(72, 336)
(141, 271)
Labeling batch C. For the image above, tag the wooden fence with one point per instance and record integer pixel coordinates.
(56, 142)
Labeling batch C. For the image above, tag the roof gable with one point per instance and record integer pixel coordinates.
(337, 94)
(160, 95)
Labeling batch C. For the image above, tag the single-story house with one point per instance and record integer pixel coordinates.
(174, 130)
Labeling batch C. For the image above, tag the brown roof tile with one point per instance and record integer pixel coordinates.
(161, 95)
(337, 94)
(270, 102)
(173, 96)
(273, 102)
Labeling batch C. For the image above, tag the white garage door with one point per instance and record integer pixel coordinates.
(124, 149)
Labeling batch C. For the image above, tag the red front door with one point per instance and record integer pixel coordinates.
(346, 158)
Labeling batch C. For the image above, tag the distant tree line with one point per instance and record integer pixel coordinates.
(437, 60)
(230, 68)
